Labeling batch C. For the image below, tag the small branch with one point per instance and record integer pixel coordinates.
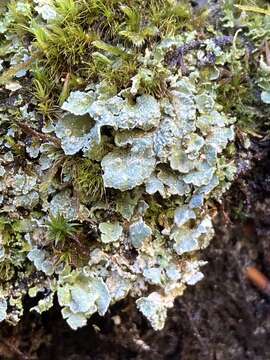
(267, 53)
(258, 279)
(12, 71)
(44, 137)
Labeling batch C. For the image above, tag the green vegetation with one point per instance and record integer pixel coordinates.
(60, 229)
(118, 124)
(88, 180)
(93, 40)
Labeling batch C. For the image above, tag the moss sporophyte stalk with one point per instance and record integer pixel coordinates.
(118, 122)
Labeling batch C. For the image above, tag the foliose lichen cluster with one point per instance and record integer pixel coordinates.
(111, 162)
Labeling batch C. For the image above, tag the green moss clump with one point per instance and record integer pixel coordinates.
(88, 181)
(60, 229)
(73, 44)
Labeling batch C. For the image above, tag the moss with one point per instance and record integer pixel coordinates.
(93, 40)
(88, 40)
(14, 247)
(160, 213)
(44, 92)
(70, 245)
(238, 89)
(169, 150)
(60, 229)
(88, 181)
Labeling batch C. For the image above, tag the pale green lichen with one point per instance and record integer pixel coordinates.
(81, 296)
(3, 309)
(154, 308)
(106, 175)
(110, 232)
(40, 260)
(138, 233)
(132, 170)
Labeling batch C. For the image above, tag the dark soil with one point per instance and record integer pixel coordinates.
(224, 317)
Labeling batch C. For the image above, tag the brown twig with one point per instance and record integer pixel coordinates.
(258, 279)
(267, 53)
(12, 71)
(29, 131)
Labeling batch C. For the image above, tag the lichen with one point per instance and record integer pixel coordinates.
(116, 128)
